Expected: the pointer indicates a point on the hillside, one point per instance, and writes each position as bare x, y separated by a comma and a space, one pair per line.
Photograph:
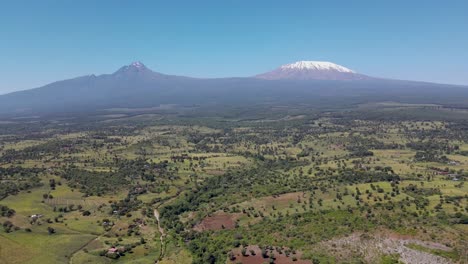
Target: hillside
136, 86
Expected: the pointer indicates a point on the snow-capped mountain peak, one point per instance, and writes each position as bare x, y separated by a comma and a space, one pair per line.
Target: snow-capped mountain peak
137, 64
316, 65
134, 67
312, 70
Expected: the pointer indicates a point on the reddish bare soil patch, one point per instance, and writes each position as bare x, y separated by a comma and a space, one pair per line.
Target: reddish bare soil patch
257, 258
217, 221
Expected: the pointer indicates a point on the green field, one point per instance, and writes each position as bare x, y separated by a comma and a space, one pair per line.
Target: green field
326, 186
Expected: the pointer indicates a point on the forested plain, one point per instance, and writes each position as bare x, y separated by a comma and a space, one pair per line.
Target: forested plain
376, 183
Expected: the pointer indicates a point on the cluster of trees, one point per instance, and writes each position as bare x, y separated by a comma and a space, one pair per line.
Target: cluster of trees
415, 190
120, 250
428, 146
359, 151
5, 211
430, 156
8, 227
432, 150
357, 176
93, 182
125, 206
233, 186
53, 148
15, 179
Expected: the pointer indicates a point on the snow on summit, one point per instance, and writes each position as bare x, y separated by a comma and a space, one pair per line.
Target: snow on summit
316, 65
134, 67
138, 64
312, 70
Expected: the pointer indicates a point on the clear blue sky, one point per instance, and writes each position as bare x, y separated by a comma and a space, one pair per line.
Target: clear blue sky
45, 41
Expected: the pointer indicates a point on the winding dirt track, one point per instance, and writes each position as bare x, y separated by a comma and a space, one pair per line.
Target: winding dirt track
161, 230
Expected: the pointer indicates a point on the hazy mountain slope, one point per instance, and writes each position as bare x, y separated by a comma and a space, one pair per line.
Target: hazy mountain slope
137, 86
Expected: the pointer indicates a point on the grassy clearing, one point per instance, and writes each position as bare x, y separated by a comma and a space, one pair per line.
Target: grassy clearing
451, 254
40, 248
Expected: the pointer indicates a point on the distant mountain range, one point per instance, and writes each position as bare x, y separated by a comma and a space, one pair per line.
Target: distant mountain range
310, 83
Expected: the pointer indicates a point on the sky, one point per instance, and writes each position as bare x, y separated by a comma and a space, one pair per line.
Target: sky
45, 41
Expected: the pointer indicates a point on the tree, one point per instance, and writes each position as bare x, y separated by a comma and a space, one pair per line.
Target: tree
8, 226
231, 256
244, 251
50, 230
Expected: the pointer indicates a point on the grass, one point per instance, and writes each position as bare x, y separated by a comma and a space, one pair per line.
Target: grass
177, 255
390, 259
451, 254
28, 203
40, 248
76, 231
